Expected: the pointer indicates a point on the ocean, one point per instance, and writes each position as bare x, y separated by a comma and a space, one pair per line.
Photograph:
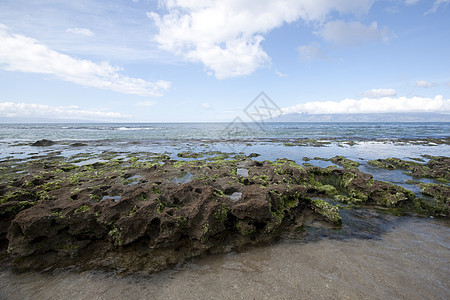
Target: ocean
221, 131
369, 140
385, 256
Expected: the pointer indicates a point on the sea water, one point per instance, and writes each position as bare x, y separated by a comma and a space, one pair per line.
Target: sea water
214, 131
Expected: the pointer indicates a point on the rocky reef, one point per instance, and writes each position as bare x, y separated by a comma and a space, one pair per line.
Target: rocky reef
146, 212
436, 168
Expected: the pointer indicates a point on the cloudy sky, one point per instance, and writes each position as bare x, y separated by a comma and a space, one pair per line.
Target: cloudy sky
206, 60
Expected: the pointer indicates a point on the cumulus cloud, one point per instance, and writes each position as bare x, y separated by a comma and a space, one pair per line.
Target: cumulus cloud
206, 105
354, 33
378, 93
81, 31
226, 36
24, 54
11, 109
311, 52
436, 5
368, 105
425, 84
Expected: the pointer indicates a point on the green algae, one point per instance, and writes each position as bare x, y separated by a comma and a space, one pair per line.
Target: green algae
208, 231
440, 202
280, 204
143, 197
327, 176
262, 180
233, 171
58, 214
82, 208
222, 213
155, 189
18, 207
116, 235
133, 211
218, 193
182, 221
392, 200
328, 190
244, 228
17, 195
344, 162
160, 206
95, 197
436, 168
188, 154
432, 208
325, 209
440, 192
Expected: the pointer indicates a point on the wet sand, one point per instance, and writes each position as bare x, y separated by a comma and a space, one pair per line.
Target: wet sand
410, 259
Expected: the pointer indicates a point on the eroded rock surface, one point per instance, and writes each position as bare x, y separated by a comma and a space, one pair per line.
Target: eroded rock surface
128, 214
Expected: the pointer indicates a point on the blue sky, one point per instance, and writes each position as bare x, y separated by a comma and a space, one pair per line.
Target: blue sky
180, 60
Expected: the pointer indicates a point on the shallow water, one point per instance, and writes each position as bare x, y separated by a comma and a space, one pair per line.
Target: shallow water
184, 178
408, 259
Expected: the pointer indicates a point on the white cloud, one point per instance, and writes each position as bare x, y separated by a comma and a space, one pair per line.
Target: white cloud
436, 5
24, 54
206, 105
425, 84
368, 105
282, 75
354, 33
147, 103
311, 52
378, 93
81, 31
226, 36
411, 2
11, 109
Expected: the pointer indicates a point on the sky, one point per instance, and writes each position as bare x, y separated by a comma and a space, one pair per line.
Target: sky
206, 61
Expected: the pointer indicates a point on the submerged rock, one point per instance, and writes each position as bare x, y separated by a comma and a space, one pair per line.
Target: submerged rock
185, 178
438, 167
43, 143
78, 144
